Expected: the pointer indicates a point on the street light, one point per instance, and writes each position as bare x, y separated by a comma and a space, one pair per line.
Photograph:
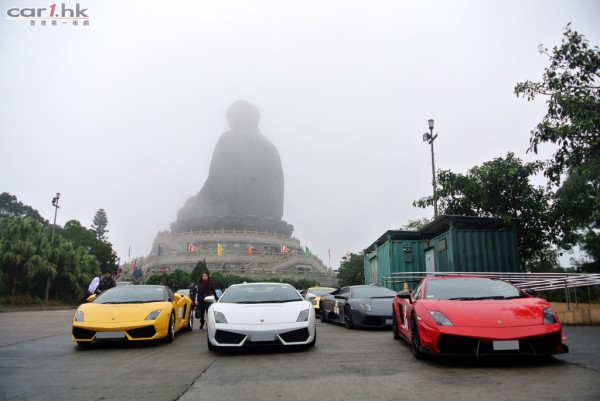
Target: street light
429, 138
55, 204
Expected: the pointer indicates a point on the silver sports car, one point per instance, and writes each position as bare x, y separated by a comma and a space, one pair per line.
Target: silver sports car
260, 314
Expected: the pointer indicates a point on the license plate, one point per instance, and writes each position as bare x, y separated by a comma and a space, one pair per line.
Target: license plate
505, 345
388, 322
262, 337
109, 335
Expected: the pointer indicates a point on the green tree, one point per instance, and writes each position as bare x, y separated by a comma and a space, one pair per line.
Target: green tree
75, 269
305, 283
572, 89
352, 270
99, 225
11, 207
87, 239
159, 278
501, 189
415, 225
22, 251
200, 268
578, 216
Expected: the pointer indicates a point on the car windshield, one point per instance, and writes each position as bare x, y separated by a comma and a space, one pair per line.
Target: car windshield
470, 288
372, 292
319, 292
260, 293
132, 294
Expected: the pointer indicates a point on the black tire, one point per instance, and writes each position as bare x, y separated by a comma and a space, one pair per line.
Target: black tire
395, 331
171, 330
348, 318
323, 316
83, 344
190, 325
415, 339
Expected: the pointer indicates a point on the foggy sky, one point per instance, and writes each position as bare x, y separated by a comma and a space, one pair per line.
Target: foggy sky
124, 114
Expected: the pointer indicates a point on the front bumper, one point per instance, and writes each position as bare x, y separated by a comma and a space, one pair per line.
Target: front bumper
231, 335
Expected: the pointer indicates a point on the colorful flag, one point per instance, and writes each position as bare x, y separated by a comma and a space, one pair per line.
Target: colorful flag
250, 249
191, 247
283, 249
219, 250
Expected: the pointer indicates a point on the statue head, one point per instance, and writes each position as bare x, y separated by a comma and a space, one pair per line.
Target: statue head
242, 115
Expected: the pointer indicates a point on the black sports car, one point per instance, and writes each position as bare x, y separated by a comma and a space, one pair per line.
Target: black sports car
359, 305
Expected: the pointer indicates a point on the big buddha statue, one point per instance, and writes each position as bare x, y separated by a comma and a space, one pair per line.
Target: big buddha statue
244, 188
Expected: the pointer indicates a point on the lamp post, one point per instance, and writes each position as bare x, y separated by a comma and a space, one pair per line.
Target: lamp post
429, 138
55, 204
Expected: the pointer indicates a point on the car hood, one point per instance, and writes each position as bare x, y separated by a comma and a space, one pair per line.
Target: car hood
262, 313
114, 313
487, 313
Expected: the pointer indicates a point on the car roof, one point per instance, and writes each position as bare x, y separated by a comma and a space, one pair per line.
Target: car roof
261, 283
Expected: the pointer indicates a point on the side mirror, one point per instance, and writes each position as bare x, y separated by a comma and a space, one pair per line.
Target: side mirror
529, 291
91, 298
310, 296
210, 299
177, 297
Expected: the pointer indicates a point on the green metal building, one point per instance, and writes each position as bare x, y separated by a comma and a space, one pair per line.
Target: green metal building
447, 244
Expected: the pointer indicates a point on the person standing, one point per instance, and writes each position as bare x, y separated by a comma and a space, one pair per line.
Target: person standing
193, 294
106, 282
205, 289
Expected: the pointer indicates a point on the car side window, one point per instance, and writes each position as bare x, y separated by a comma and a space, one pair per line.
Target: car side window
417, 291
169, 293
344, 292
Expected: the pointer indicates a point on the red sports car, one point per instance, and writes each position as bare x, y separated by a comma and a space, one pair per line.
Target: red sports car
475, 316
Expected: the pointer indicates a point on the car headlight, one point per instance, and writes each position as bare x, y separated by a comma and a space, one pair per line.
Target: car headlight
440, 318
549, 316
219, 317
153, 315
365, 306
303, 316
78, 316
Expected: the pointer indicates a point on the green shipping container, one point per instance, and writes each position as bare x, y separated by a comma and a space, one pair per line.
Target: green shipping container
448, 244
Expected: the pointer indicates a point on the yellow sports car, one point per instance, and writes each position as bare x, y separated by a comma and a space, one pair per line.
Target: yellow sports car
314, 295
135, 312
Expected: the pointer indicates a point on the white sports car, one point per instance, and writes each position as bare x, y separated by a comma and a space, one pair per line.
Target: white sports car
260, 314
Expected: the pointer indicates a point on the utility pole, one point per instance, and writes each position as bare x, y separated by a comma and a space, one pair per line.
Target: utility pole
55, 204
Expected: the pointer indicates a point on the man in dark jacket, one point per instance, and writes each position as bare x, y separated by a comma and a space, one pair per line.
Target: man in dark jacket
106, 282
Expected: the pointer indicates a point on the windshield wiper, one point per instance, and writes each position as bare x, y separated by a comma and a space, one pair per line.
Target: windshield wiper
476, 298
385, 296
290, 300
